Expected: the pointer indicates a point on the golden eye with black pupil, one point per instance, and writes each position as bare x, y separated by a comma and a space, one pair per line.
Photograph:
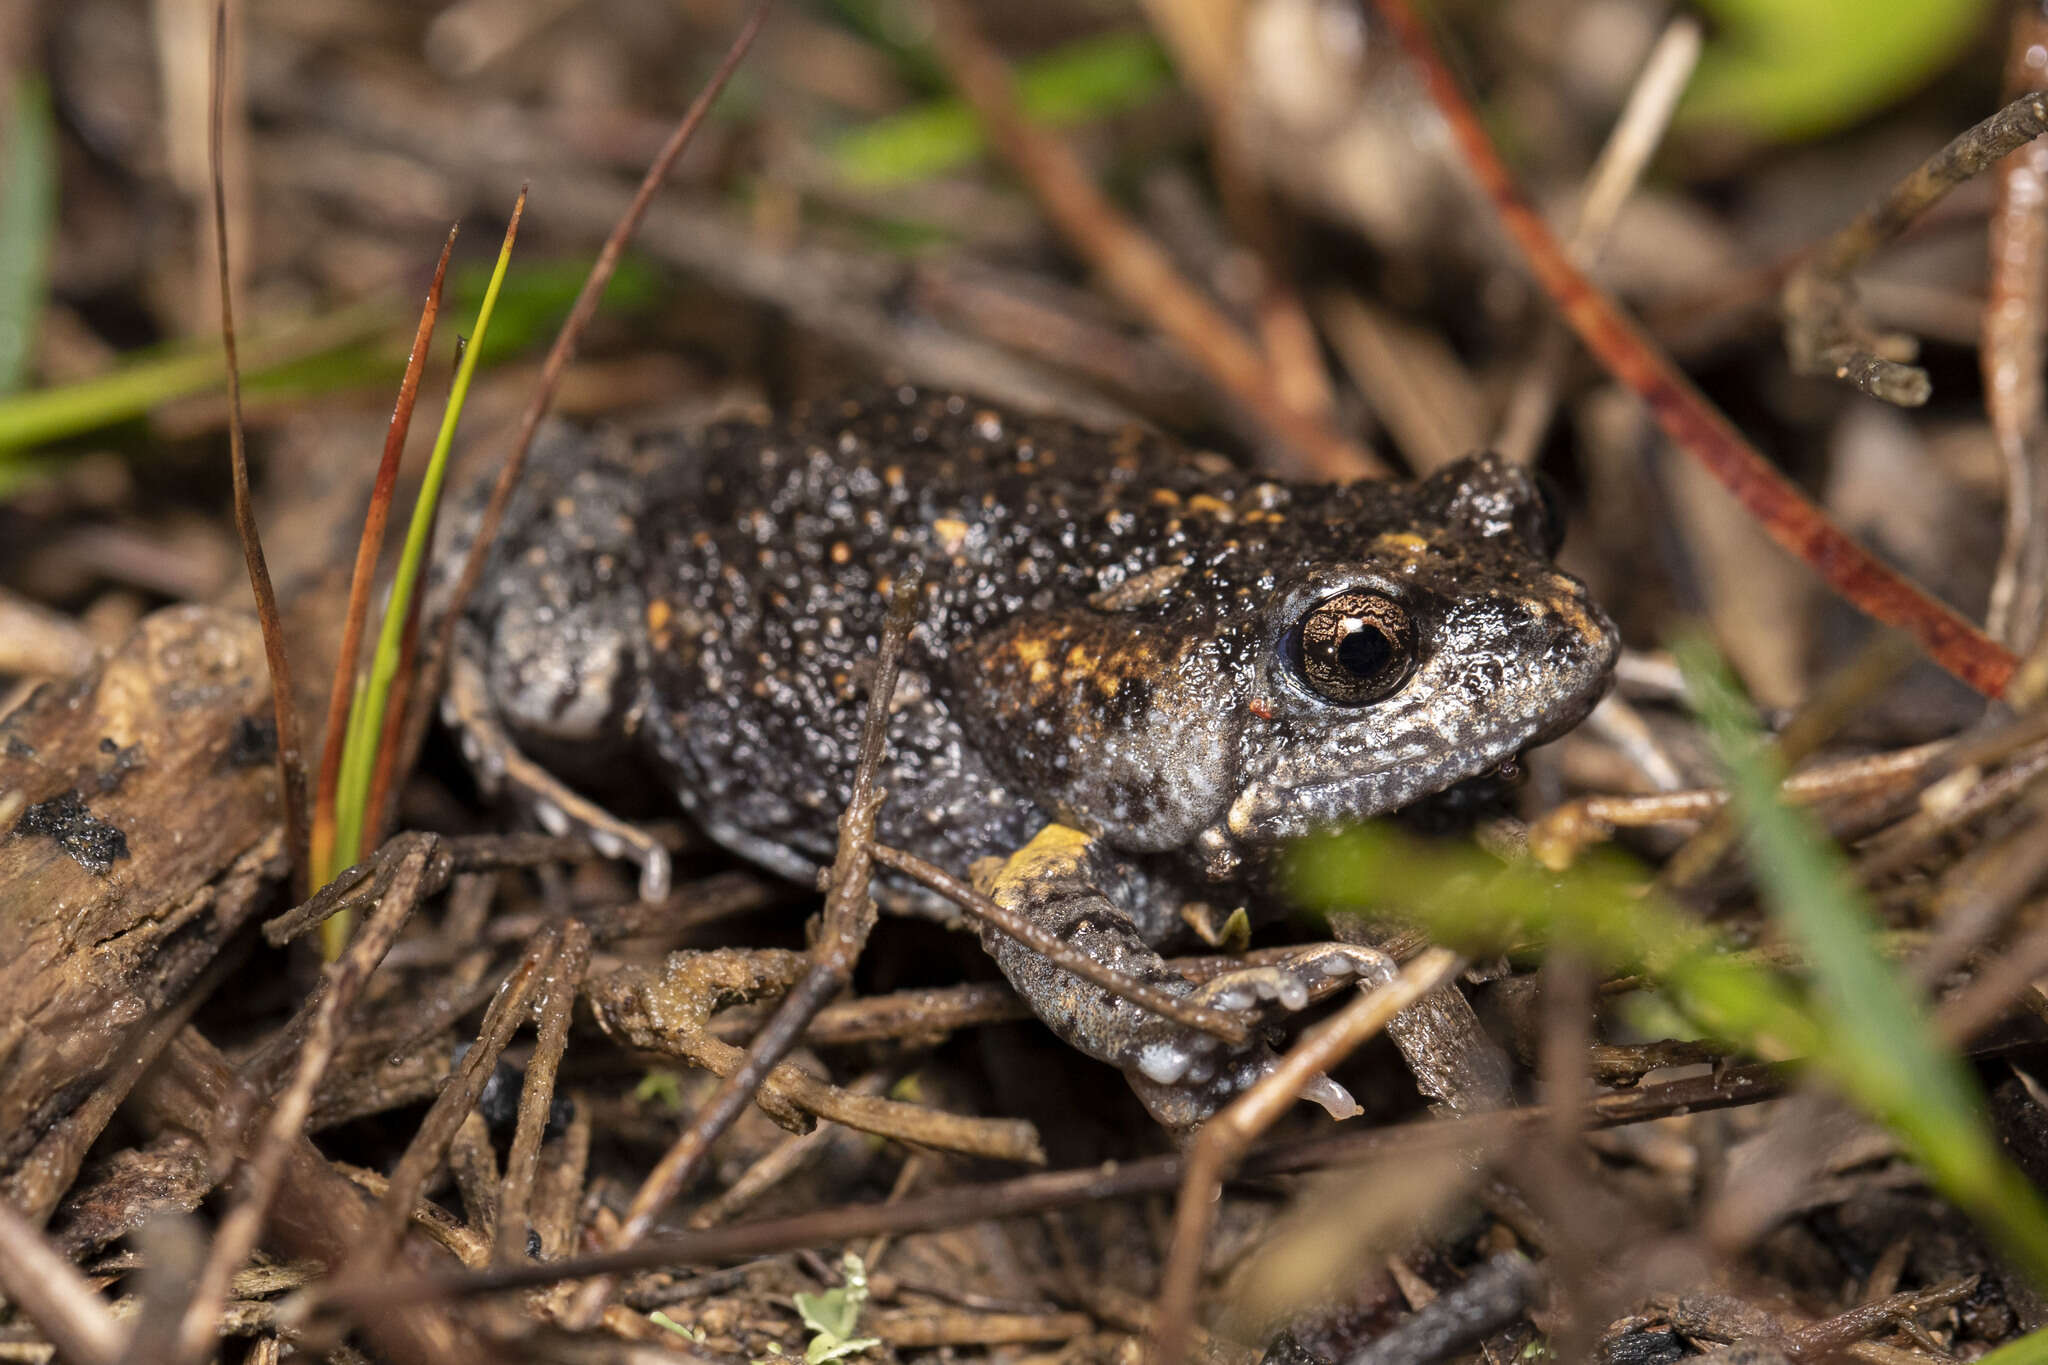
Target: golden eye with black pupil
1353, 648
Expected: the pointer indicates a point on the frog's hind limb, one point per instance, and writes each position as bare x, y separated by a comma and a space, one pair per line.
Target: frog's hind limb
1069, 884
498, 764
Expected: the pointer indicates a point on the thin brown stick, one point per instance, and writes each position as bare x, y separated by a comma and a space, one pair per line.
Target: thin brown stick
434, 671
1217, 1023
1130, 262
1620, 165
458, 1097
53, 1295
1037, 1193
242, 1228
1692, 422
291, 763
1225, 1138
367, 551
1823, 333
2013, 352
848, 916
537, 1096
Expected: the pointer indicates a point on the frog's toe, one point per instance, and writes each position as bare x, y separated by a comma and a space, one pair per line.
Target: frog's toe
1334, 1098
1294, 981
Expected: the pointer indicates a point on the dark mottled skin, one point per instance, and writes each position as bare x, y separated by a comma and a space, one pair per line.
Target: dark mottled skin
1098, 648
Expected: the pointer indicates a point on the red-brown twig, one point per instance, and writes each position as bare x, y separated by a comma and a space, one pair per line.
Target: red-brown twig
291, 764
433, 672
367, 550
1692, 422
1225, 1138
1128, 261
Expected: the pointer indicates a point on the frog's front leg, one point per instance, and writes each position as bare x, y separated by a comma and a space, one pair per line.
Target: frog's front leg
497, 762
1072, 885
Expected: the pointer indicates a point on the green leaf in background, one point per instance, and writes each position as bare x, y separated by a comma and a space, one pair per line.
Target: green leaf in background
2031, 1349
1791, 69
1088, 79
533, 305
1877, 1042
28, 218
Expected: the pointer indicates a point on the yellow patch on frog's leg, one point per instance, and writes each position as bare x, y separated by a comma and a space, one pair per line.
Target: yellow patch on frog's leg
496, 759
1056, 853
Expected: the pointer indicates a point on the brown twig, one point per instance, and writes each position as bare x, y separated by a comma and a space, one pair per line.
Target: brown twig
1225, 1138
1131, 263
1037, 1193
367, 551
1692, 422
2014, 350
242, 1227
291, 764
1823, 332
536, 1096
53, 1295
848, 916
1217, 1023
1621, 163
459, 1096
434, 671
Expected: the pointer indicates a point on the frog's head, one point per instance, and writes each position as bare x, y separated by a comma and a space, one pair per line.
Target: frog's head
1327, 656
1428, 654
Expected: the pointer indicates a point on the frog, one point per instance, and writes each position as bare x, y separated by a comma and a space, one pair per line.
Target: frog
1136, 674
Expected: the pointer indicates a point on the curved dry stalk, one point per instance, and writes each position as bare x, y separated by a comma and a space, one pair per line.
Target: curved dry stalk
291, 764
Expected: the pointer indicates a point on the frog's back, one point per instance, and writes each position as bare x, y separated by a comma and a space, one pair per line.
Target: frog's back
770, 553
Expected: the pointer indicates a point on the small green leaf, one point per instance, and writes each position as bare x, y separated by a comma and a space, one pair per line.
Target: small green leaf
1789, 69
835, 1314
661, 1087
2031, 1349
667, 1323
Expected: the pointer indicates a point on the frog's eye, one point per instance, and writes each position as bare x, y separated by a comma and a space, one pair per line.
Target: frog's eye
1353, 648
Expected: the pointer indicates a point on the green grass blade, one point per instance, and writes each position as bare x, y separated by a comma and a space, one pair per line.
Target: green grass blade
2031, 1349
366, 716
28, 218
1088, 79
1877, 1043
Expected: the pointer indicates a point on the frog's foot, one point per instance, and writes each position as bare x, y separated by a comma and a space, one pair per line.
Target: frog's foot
1296, 979
1074, 888
500, 766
